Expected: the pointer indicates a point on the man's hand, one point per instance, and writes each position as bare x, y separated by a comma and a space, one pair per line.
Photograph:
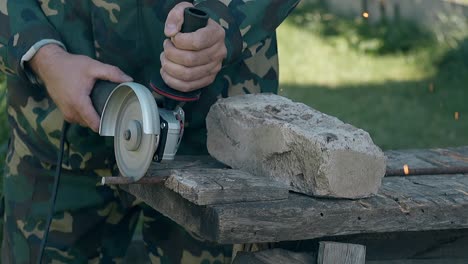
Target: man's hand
190, 61
69, 80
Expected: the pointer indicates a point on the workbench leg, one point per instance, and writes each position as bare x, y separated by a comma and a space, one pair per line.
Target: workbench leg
341, 253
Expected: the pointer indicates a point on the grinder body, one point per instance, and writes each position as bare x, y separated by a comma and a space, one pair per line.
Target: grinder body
142, 131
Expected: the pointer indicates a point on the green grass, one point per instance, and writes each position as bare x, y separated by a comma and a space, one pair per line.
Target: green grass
377, 78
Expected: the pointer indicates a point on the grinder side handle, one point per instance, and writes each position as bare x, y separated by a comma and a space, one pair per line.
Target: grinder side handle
100, 93
194, 19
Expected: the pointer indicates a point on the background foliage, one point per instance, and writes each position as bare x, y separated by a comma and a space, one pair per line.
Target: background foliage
398, 82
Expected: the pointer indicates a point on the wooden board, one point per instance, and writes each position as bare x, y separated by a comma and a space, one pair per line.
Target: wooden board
427, 158
202, 181
183, 163
219, 186
344, 253
421, 261
274, 256
444, 247
423, 245
418, 203
397, 159
403, 204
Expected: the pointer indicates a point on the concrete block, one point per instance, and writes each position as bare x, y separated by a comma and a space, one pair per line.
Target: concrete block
313, 153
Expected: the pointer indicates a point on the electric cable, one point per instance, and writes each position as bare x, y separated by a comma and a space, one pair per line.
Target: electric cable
53, 198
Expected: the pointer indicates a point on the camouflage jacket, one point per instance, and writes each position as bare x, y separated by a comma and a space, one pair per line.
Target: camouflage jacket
127, 34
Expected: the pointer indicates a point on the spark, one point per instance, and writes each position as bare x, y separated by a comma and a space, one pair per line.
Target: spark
365, 14
406, 169
456, 115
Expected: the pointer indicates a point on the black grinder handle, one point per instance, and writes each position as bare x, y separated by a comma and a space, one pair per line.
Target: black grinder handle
100, 93
194, 19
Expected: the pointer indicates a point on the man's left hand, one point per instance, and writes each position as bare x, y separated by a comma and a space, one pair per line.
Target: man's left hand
190, 61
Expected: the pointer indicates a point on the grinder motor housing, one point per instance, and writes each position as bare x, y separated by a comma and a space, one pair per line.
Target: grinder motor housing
143, 132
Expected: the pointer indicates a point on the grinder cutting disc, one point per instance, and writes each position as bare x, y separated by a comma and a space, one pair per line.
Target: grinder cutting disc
134, 149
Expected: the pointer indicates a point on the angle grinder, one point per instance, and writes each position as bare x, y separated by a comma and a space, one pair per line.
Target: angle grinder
142, 131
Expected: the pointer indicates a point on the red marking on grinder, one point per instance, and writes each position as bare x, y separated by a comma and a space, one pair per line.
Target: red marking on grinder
174, 97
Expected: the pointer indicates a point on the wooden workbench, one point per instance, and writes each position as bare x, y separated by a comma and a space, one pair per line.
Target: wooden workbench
406, 203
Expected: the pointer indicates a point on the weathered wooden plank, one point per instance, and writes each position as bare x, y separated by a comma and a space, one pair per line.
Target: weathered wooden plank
427, 161
421, 261
427, 158
463, 151
192, 217
403, 204
183, 162
453, 156
397, 159
274, 256
219, 186
343, 253
441, 158
434, 244
439, 246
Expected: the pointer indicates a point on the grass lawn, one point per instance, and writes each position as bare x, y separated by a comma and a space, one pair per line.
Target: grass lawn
405, 98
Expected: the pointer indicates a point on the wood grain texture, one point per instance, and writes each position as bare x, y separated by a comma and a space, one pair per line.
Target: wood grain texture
162, 169
274, 256
343, 253
427, 158
421, 261
434, 244
419, 203
194, 218
403, 204
219, 186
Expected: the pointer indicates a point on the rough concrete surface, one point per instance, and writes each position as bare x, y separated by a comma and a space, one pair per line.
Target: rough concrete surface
314, 153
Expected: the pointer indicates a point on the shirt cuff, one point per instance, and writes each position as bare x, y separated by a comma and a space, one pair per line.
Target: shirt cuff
33, 50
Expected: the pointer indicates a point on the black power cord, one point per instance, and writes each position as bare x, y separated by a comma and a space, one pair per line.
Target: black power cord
53, 198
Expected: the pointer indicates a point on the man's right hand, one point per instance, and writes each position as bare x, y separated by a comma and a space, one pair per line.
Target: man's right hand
69, 80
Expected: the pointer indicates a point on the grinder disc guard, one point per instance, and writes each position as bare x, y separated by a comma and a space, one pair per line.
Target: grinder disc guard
131, 116
134, 149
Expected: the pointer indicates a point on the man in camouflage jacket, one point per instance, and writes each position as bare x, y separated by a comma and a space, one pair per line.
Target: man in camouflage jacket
53, 51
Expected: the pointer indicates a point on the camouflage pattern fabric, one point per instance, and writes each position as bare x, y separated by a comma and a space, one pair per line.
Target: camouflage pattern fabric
127, 34
92, 223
